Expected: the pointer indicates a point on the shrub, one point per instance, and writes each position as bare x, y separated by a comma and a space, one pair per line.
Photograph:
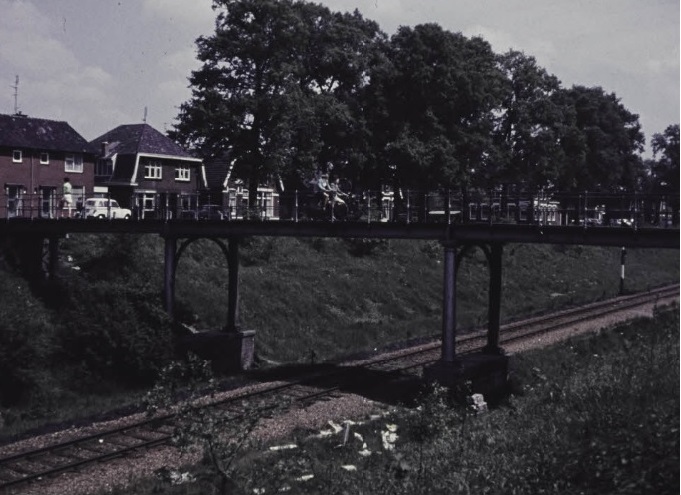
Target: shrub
117, 331
27, 343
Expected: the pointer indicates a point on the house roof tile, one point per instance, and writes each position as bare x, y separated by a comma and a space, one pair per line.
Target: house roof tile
139, 138
50, 135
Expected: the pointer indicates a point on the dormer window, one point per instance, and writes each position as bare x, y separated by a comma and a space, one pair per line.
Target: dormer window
17, 156
44, 158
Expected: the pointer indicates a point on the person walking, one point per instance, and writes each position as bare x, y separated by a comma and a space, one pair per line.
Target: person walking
67, 198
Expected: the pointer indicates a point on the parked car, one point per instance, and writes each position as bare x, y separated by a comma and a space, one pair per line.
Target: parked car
104, 208
212, 212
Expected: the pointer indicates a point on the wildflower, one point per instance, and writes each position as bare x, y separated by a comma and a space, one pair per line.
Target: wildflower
389, 438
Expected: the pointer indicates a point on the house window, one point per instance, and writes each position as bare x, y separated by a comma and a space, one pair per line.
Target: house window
152, 170
44, 158
73, 163
17, 156
182, 174
104, 168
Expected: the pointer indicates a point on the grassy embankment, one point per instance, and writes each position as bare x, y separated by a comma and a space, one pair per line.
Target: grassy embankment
594, 415
305, 295
99, 337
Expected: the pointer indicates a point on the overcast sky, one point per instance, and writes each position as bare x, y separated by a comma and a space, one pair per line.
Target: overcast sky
98, 63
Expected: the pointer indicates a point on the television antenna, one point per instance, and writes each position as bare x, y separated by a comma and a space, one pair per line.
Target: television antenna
16, 95
145, 115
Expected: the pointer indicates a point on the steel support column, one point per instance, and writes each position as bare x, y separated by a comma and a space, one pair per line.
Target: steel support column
449, 305
233, 285
494, 309
169, 275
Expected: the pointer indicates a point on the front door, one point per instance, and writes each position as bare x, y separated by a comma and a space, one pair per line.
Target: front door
14, 201
48, 201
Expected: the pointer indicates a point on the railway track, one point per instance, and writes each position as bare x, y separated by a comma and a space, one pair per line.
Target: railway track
102, 446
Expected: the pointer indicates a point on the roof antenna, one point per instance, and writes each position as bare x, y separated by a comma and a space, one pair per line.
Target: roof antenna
16, 95
145, 115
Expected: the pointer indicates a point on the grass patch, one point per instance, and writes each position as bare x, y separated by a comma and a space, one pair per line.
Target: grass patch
102, 332
595, 415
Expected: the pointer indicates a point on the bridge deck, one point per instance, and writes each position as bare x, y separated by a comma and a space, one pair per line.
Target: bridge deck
473, 232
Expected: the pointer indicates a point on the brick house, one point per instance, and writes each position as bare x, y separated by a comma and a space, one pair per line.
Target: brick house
147, 172
35, 157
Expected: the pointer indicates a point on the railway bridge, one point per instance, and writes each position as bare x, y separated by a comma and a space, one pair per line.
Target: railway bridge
39, 241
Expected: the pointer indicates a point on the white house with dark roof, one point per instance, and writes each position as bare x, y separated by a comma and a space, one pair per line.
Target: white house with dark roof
147, 172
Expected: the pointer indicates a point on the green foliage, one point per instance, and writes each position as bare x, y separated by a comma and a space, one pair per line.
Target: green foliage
665, 166
27, 344
99, 333
117, 332
220, 434
286, 87
603, 153
598, 415
440, 96
530, 131
365, 247
277, 92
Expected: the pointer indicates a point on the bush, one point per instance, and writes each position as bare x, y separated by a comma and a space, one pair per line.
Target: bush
27, 343
117, 332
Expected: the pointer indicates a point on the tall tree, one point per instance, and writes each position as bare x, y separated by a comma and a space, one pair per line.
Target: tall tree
665, 164
277, 87
602, 145
530, 126
439, 94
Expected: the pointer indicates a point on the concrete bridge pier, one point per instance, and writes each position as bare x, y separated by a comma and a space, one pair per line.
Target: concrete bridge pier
230, 348
483, 372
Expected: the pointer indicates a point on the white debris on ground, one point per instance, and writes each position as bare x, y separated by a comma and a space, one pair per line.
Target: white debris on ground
305, 477
288, 446
389, 437
365, 452
175, 477
477, 404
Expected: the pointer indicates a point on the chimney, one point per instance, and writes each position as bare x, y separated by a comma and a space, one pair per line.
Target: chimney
105, 148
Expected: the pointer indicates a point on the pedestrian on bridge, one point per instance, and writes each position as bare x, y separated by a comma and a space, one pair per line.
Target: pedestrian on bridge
67, 198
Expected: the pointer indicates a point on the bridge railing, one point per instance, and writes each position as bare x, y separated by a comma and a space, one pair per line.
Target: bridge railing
584, 209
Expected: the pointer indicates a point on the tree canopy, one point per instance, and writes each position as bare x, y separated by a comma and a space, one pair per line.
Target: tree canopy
287, 87
665, 164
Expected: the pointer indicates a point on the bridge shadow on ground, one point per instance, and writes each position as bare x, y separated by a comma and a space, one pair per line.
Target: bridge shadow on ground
385, 387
